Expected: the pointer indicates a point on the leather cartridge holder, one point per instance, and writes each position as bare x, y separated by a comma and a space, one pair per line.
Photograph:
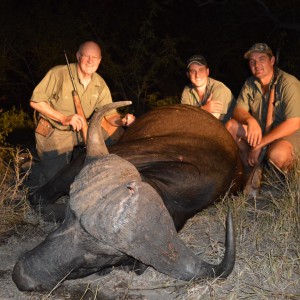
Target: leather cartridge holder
44, 128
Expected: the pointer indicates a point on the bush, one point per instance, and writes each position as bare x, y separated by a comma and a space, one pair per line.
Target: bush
12, 198
153, 100
12, 120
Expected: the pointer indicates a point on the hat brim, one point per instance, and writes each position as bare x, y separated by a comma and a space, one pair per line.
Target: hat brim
248, 53
195, 62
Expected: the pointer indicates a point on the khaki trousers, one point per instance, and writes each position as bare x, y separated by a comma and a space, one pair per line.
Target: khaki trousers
54, 152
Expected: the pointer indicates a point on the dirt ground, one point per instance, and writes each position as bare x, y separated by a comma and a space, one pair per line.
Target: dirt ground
119, 284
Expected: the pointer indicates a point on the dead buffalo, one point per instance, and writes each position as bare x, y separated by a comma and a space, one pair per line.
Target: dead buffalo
181, 151
169, 165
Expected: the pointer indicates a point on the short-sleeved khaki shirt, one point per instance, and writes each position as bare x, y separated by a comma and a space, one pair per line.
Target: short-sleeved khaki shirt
220, 93
56, 89
287, 99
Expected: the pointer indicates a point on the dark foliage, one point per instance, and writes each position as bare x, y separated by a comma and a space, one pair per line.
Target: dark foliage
145, 43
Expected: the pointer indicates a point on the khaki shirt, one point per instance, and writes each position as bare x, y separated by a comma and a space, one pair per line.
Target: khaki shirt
56, 89
220, 93
287, 99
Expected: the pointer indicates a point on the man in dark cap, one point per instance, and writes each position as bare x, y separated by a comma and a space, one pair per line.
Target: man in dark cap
266, 119
205, 92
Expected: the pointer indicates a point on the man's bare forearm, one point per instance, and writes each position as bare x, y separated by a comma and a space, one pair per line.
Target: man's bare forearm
45, 109
242, 115
286, 128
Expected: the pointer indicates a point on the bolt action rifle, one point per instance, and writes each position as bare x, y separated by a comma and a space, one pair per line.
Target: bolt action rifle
77, 103
253, 184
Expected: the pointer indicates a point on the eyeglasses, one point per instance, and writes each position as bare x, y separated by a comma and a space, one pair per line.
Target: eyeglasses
87, 57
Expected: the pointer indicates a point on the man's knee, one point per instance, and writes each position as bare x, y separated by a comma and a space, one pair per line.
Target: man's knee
232, 126
278, 159
281, 154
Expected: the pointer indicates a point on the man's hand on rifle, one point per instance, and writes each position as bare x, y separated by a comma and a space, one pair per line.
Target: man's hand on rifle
116, 120
253, 156
76, 121
128, 120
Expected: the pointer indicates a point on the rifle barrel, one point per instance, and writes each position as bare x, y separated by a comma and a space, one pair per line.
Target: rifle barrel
70, 72
77, 103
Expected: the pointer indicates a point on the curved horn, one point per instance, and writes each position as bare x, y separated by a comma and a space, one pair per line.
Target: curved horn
95, 143
226, 266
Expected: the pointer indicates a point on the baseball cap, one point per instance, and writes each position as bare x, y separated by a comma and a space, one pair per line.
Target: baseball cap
259, 47
196, 59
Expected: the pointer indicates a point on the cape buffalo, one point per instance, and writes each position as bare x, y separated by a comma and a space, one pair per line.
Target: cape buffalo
168, 166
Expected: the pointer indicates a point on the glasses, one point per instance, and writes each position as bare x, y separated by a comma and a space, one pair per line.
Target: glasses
89, 57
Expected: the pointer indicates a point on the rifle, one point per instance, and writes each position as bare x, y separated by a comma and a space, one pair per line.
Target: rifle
254, 182
77, 102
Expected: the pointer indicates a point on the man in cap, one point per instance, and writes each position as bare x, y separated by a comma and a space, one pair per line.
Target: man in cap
205, 92
259, 128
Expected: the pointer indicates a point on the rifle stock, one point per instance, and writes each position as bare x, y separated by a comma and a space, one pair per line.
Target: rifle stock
254, 181
79, 111
270, 111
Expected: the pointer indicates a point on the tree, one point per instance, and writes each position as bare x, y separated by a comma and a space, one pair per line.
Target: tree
144, 43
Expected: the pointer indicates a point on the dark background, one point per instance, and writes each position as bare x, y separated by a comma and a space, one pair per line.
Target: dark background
145, 43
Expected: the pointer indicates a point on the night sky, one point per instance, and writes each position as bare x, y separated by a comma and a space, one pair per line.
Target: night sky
145, 43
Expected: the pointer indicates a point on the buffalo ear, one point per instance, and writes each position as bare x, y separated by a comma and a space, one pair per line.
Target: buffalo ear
110, 213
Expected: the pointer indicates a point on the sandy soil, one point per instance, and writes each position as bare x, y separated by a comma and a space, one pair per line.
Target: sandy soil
119, 284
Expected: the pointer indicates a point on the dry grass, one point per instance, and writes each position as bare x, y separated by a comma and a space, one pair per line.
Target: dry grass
267, 236
13, 203
268, 245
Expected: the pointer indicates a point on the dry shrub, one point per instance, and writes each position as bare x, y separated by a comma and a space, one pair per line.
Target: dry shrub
12, 193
